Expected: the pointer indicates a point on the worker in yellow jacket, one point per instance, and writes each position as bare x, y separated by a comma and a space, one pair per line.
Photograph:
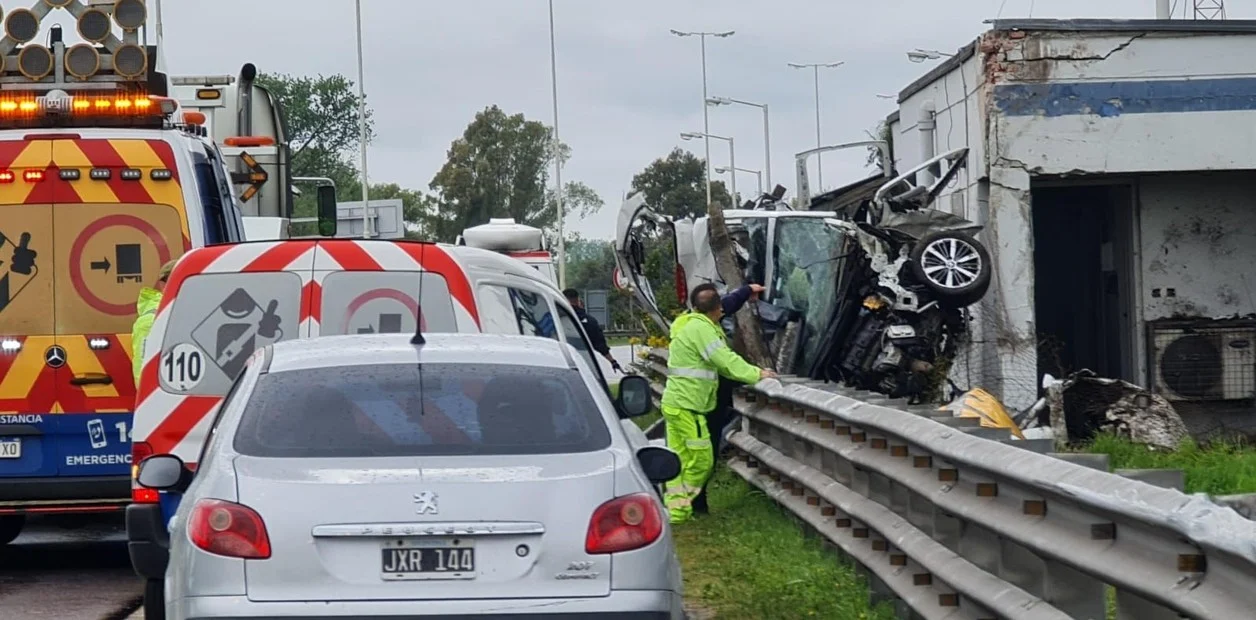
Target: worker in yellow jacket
146, 308
698, 355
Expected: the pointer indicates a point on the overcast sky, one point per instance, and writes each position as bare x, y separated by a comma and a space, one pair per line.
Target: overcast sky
627, 88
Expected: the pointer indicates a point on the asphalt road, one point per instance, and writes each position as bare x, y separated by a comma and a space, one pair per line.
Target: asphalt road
68, 568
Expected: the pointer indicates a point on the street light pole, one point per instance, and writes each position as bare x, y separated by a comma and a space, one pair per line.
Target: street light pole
558, 162
366, 200
706, 120
815, 67
757, 173
767, 131
732, 158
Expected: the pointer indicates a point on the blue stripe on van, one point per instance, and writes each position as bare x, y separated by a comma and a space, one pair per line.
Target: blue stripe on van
1110, 99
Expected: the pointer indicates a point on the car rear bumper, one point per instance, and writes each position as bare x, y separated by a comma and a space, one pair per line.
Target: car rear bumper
620, 605
148, 541
64, 495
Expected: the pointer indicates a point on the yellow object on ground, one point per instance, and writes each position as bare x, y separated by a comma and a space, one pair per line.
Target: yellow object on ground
980, 404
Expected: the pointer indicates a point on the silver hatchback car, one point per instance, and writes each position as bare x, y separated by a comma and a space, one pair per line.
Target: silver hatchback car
465, 476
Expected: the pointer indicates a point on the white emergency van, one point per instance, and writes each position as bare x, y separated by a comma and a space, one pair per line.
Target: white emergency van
518, 241
225, 302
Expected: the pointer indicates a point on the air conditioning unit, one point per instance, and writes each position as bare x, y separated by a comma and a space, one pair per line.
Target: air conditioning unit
1204, 362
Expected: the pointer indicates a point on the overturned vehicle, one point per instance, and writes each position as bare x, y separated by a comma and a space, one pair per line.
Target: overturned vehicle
870, 296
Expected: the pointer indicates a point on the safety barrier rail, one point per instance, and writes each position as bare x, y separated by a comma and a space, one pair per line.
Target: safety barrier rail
948, 524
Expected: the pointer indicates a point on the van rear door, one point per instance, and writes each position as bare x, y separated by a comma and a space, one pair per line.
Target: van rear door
112, 237
369, 287
241, 299
28, 393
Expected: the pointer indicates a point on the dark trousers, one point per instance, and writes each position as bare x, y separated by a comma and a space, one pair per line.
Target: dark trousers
716, 421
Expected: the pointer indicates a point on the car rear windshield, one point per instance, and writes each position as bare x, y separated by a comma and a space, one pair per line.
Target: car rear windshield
412, 410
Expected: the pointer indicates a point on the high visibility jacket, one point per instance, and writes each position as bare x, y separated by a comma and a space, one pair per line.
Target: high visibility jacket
698, 355
149, 299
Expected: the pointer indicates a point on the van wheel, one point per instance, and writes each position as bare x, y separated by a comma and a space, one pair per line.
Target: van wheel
154, 599
11, 527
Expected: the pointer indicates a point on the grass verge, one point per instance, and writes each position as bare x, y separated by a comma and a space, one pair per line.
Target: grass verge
749, 559
1217, 468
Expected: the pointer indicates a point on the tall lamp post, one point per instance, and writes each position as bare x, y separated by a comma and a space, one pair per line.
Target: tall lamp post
757, 173
815, 67
558, 162
732, 159
366, 200
767, 134
706, 121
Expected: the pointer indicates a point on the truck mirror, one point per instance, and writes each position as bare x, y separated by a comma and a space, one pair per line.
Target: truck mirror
327, 210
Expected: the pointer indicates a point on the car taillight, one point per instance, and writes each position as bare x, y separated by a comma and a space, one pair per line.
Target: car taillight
623, 524
228, 529
682, 286
141, 450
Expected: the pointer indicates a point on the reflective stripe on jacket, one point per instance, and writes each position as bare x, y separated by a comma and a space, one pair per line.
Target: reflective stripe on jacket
149, 299
698, 355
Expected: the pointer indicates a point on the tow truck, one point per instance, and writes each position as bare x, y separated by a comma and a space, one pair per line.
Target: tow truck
103, 179
245, 118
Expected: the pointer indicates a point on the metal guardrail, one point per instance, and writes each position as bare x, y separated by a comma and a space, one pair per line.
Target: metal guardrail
948, 524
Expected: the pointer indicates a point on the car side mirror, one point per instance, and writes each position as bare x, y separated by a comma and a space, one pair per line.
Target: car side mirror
634, 396
659, 464
327, 210
164, 472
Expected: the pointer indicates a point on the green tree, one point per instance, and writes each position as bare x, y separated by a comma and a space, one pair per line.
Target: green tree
674, 185
500, 168
321, 113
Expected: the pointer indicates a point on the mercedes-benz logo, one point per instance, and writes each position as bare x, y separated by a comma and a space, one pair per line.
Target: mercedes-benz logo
55, 356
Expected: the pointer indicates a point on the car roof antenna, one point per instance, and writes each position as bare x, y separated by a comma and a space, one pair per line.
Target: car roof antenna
418, 338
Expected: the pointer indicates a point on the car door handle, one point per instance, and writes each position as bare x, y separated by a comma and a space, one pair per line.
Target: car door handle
91, 378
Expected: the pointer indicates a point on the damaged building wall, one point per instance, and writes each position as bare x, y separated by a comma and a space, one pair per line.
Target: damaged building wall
1046, 100
953, 91
1121, 102
1198, 245
1063, 104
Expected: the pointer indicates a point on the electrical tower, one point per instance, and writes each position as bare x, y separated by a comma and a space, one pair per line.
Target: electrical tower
1209, 9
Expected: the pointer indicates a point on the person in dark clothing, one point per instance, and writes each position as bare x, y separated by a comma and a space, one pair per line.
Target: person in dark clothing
719, 419
591, 327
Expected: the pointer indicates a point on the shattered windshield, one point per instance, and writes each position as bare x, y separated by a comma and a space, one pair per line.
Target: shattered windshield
809, 255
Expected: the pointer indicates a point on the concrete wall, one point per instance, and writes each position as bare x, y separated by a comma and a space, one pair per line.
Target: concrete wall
1198, 239
1067, 102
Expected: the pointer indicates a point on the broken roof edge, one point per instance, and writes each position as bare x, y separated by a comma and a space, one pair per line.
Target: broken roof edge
1218, 26
943, 68
1203, 26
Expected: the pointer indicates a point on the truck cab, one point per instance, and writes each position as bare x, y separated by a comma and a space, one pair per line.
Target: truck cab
103, 180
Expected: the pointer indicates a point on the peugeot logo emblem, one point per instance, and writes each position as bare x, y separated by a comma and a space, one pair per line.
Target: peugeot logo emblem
55, 356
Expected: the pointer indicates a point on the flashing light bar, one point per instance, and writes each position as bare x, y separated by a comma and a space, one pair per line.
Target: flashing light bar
59, 102
98, 344
10, 346
35, 175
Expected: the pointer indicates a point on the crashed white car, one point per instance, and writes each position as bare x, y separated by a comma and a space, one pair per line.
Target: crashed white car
871, 296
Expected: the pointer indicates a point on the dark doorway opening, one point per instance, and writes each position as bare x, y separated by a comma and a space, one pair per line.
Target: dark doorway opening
1083, 264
